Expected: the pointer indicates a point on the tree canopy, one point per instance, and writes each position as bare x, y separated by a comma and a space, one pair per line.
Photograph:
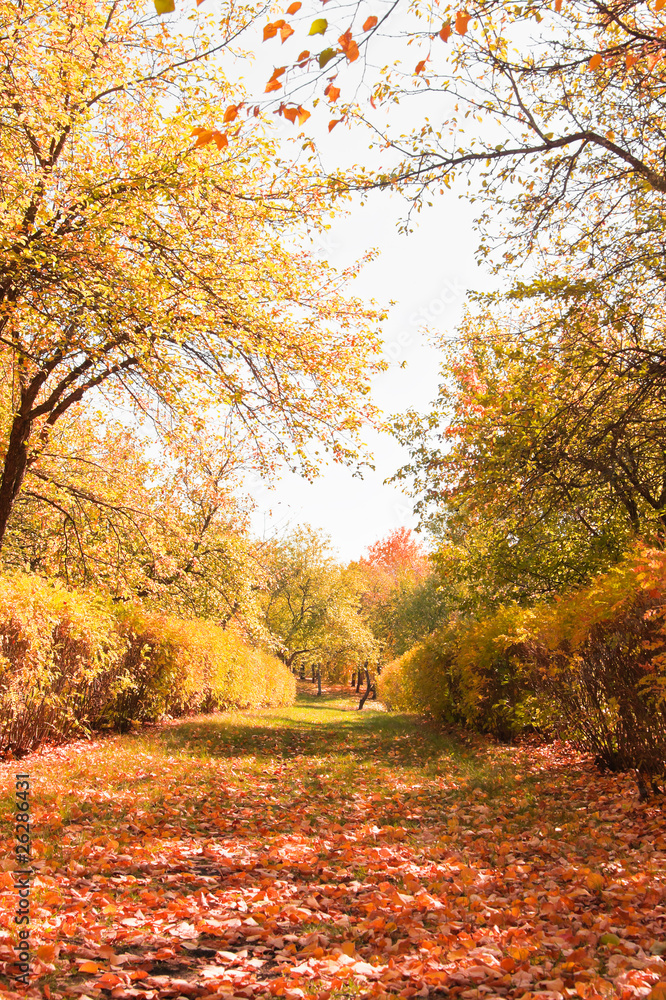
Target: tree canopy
149, 271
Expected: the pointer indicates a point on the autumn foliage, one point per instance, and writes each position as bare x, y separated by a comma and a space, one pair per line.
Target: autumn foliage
590, 665
72, 662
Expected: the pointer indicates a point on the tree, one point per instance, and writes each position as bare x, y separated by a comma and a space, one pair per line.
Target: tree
97, 509
311, 603
396, 570
542, 458
144, 270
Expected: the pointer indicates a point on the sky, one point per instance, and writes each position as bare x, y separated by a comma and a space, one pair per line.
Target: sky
427, 274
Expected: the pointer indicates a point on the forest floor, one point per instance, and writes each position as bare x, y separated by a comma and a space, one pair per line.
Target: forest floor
321, 852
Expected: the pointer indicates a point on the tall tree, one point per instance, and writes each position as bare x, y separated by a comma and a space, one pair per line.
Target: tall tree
143, 268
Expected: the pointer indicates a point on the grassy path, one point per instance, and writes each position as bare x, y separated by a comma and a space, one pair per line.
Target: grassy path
319, 851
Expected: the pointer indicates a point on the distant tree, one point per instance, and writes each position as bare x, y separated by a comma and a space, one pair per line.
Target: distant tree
311, 604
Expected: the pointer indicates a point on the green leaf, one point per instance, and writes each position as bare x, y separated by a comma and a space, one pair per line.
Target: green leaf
326, 56
318, 26
164, 6
609, 939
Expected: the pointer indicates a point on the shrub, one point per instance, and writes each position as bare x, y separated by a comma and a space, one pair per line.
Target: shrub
59, 661
72, 662
590, 665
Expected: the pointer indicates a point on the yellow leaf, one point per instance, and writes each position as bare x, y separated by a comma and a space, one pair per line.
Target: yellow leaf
318, 26
164, 6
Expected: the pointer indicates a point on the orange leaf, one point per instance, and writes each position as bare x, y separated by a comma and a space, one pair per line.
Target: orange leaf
273, 84
46, 952
462, 20
658, 991
286, 32
205, 136
420, 66
371, 21
89, 967
595, 61
333, 123
270, 31
558, 5
445, 32
660, 4
108, 979
630, 60
305, 54
352, 52
231, 113
303, 115
294, 7
220, 139
289, 114
332, 93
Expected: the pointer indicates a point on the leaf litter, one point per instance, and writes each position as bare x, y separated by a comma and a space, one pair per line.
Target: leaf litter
327, 853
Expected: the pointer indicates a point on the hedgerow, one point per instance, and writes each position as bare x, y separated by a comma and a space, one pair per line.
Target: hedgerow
590, 666
72, 662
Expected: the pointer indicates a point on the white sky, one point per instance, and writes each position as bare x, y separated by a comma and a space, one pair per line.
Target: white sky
427, 274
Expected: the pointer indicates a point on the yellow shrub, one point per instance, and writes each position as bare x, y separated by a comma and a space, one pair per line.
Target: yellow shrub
71, 662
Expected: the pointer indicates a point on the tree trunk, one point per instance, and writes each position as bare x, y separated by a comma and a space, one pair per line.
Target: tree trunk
358, 680
368, 689
13, 474
353, 680
314, 673
319, 679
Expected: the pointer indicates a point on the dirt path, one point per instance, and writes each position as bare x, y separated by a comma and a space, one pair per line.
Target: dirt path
320, 851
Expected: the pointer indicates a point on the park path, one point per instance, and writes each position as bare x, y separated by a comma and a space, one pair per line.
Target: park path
323, 852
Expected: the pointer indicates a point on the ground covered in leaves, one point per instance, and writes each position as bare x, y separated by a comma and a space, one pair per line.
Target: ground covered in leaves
323, 852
